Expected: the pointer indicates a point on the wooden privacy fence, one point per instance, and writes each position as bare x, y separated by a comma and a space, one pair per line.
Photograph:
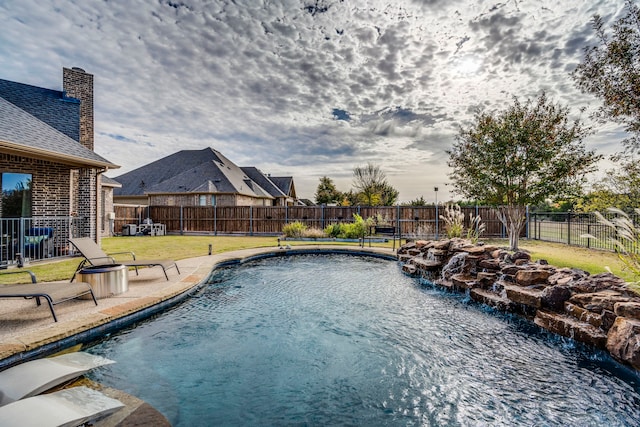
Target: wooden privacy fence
410, 221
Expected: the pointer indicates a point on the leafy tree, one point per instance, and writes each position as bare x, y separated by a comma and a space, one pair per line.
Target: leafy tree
611, 71
327, 192
350, 198
620, 188
372, 187
420, 201
518, 157
388, 195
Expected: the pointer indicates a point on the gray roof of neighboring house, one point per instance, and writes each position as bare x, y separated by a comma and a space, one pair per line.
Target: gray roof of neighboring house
210, 177
285, 184
203, 171
263, 180
22, 133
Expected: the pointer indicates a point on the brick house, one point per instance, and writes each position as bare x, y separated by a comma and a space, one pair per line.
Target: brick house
47, 162
201, 178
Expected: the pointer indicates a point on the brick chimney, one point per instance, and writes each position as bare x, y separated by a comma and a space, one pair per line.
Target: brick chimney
78, 84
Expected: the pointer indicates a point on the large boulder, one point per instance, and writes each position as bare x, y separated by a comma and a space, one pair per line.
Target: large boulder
599, 301
490, 264
627, 309
525, 296
491, 299
571, 327
623, 341
532, 277
598, 282
554, 297
518, 256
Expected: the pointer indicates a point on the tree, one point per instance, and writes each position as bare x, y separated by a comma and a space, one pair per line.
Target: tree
420, 201
620, 188
372, 187
520, 156
611, 71
327, 192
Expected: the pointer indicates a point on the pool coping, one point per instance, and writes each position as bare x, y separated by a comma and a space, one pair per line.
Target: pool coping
196, 271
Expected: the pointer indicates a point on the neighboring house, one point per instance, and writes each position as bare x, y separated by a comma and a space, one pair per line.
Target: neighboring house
109, 213
198, 178
49, 173
281, 188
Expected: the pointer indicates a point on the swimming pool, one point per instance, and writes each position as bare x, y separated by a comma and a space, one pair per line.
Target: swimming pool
335, 340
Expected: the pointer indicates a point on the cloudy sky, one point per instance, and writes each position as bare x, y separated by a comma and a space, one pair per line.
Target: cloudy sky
304, 87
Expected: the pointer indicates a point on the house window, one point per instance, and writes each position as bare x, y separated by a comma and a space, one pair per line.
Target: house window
213, 200
203, 200
16, 195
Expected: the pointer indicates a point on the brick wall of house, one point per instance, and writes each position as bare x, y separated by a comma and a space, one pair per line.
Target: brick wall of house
79, 84
50, 183
87, 201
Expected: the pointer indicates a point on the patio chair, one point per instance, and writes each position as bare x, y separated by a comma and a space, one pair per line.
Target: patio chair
38, 243
69, 407
36, 376
95, 256
53, 292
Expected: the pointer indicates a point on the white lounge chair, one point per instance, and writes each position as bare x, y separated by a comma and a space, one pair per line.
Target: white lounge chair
34, 377
65, 408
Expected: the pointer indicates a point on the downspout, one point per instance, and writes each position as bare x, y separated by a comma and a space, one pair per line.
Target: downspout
98, 221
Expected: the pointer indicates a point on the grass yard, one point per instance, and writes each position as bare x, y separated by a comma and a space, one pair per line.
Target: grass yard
560, 255
181, 247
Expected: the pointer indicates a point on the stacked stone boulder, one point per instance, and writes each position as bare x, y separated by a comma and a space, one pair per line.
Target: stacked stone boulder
599, 310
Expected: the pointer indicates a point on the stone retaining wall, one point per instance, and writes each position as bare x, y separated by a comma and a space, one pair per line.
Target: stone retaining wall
599, 310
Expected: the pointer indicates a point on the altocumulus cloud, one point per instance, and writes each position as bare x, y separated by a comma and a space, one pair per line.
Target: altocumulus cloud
302, 87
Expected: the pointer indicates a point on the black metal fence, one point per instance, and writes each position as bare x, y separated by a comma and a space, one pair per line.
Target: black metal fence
573, 228
25, 239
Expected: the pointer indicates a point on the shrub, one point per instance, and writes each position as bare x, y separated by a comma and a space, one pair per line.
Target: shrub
294, 229
333, 230
626, 242
475, 229
422, 231
355, 230
313, 233
453, 221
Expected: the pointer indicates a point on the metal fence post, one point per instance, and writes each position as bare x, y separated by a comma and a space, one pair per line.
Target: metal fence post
568, 228
398, 222
181, 221
250, 220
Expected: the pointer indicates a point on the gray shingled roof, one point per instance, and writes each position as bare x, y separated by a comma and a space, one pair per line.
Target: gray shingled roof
110, 182
262, 180
199, 171
20, 130
284, 183
210, 177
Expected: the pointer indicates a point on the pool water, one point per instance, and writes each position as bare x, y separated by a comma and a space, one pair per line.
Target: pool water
346, 340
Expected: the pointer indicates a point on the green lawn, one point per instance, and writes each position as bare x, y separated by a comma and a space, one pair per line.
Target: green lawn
181, 247
560, 255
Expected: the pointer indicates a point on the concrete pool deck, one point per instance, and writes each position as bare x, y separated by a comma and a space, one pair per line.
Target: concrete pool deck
26, 329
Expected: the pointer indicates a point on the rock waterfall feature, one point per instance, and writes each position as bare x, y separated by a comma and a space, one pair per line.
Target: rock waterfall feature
599, 310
